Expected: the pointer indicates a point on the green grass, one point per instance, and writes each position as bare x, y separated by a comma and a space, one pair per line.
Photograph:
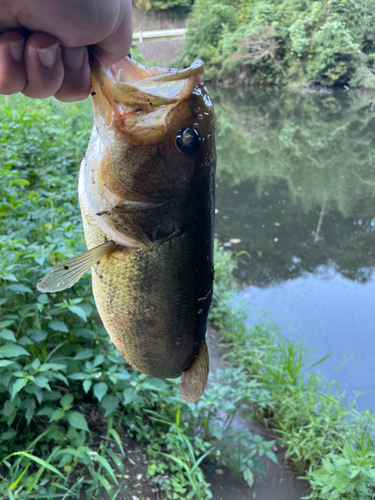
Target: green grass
329, 442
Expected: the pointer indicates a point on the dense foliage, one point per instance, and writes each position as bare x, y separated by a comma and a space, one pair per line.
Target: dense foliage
266, 41
178, 6
68, 403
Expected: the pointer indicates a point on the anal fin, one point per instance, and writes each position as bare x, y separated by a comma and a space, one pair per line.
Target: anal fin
67, 273
194, 380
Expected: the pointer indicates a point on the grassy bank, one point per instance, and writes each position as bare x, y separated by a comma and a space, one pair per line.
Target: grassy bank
70, 409
329, 442
246, 42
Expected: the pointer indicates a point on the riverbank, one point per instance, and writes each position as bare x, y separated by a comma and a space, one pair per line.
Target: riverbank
327, 440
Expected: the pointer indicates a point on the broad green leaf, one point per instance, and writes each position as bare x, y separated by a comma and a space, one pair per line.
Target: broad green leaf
129, 395
77, 310
77, 420
36, 334
98, 360
110, 403
30, 409
84, 354
57, 414
43, 298
5, 362
8, 408
25, 340
52, 366
6, 323
7, 335
84, 332
10, 277
100, 390
19, 288
77, 376
42, 382
154, 384
36, 363
5, 436
12, 351
47, 412
58, 326
270, 454
18, 386
66, 401
87, 385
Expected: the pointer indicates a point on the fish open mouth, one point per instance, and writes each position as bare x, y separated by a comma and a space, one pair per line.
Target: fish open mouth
135, 87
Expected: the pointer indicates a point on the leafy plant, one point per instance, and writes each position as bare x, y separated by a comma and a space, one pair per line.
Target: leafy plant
178, 6
247, 41
187, 479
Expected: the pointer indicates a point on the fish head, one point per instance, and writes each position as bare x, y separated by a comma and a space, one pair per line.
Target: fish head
152, 142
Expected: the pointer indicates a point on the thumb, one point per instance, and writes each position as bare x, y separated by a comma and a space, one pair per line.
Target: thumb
116, 45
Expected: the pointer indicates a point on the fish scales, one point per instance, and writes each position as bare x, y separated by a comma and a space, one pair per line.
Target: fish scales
155, 287
146, 191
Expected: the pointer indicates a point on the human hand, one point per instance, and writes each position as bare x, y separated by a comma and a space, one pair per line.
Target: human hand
53, 59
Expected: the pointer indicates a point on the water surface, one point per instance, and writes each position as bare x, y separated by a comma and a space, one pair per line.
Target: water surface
296, 186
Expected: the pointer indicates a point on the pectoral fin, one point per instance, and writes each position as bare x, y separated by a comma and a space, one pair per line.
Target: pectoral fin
194, 380
65, 274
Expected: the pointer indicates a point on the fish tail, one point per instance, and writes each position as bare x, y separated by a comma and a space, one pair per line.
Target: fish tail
194, 380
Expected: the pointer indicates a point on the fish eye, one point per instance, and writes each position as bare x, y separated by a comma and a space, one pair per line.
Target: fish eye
188, 141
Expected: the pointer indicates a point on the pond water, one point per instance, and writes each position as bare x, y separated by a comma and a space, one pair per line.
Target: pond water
296, 191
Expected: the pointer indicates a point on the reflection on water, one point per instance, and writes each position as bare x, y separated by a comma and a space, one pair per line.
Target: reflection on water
296, 186
333, 314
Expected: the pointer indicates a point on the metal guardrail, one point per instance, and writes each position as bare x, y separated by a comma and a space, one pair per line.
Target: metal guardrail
140, 35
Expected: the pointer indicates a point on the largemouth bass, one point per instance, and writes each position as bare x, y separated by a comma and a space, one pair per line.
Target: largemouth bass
146, 191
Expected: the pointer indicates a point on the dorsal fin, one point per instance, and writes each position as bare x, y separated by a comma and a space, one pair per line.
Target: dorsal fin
67, 273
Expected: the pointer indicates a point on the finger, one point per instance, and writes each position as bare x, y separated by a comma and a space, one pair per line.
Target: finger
116, 46
76, 83
12, 68
44, 67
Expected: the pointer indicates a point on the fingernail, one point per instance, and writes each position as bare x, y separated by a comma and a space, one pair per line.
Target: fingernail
48, 55
16, 50
73, 57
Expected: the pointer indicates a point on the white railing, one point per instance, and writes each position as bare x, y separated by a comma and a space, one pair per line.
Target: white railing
140, 35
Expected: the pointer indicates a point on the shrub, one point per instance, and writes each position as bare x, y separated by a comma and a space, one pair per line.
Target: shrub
296, 40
